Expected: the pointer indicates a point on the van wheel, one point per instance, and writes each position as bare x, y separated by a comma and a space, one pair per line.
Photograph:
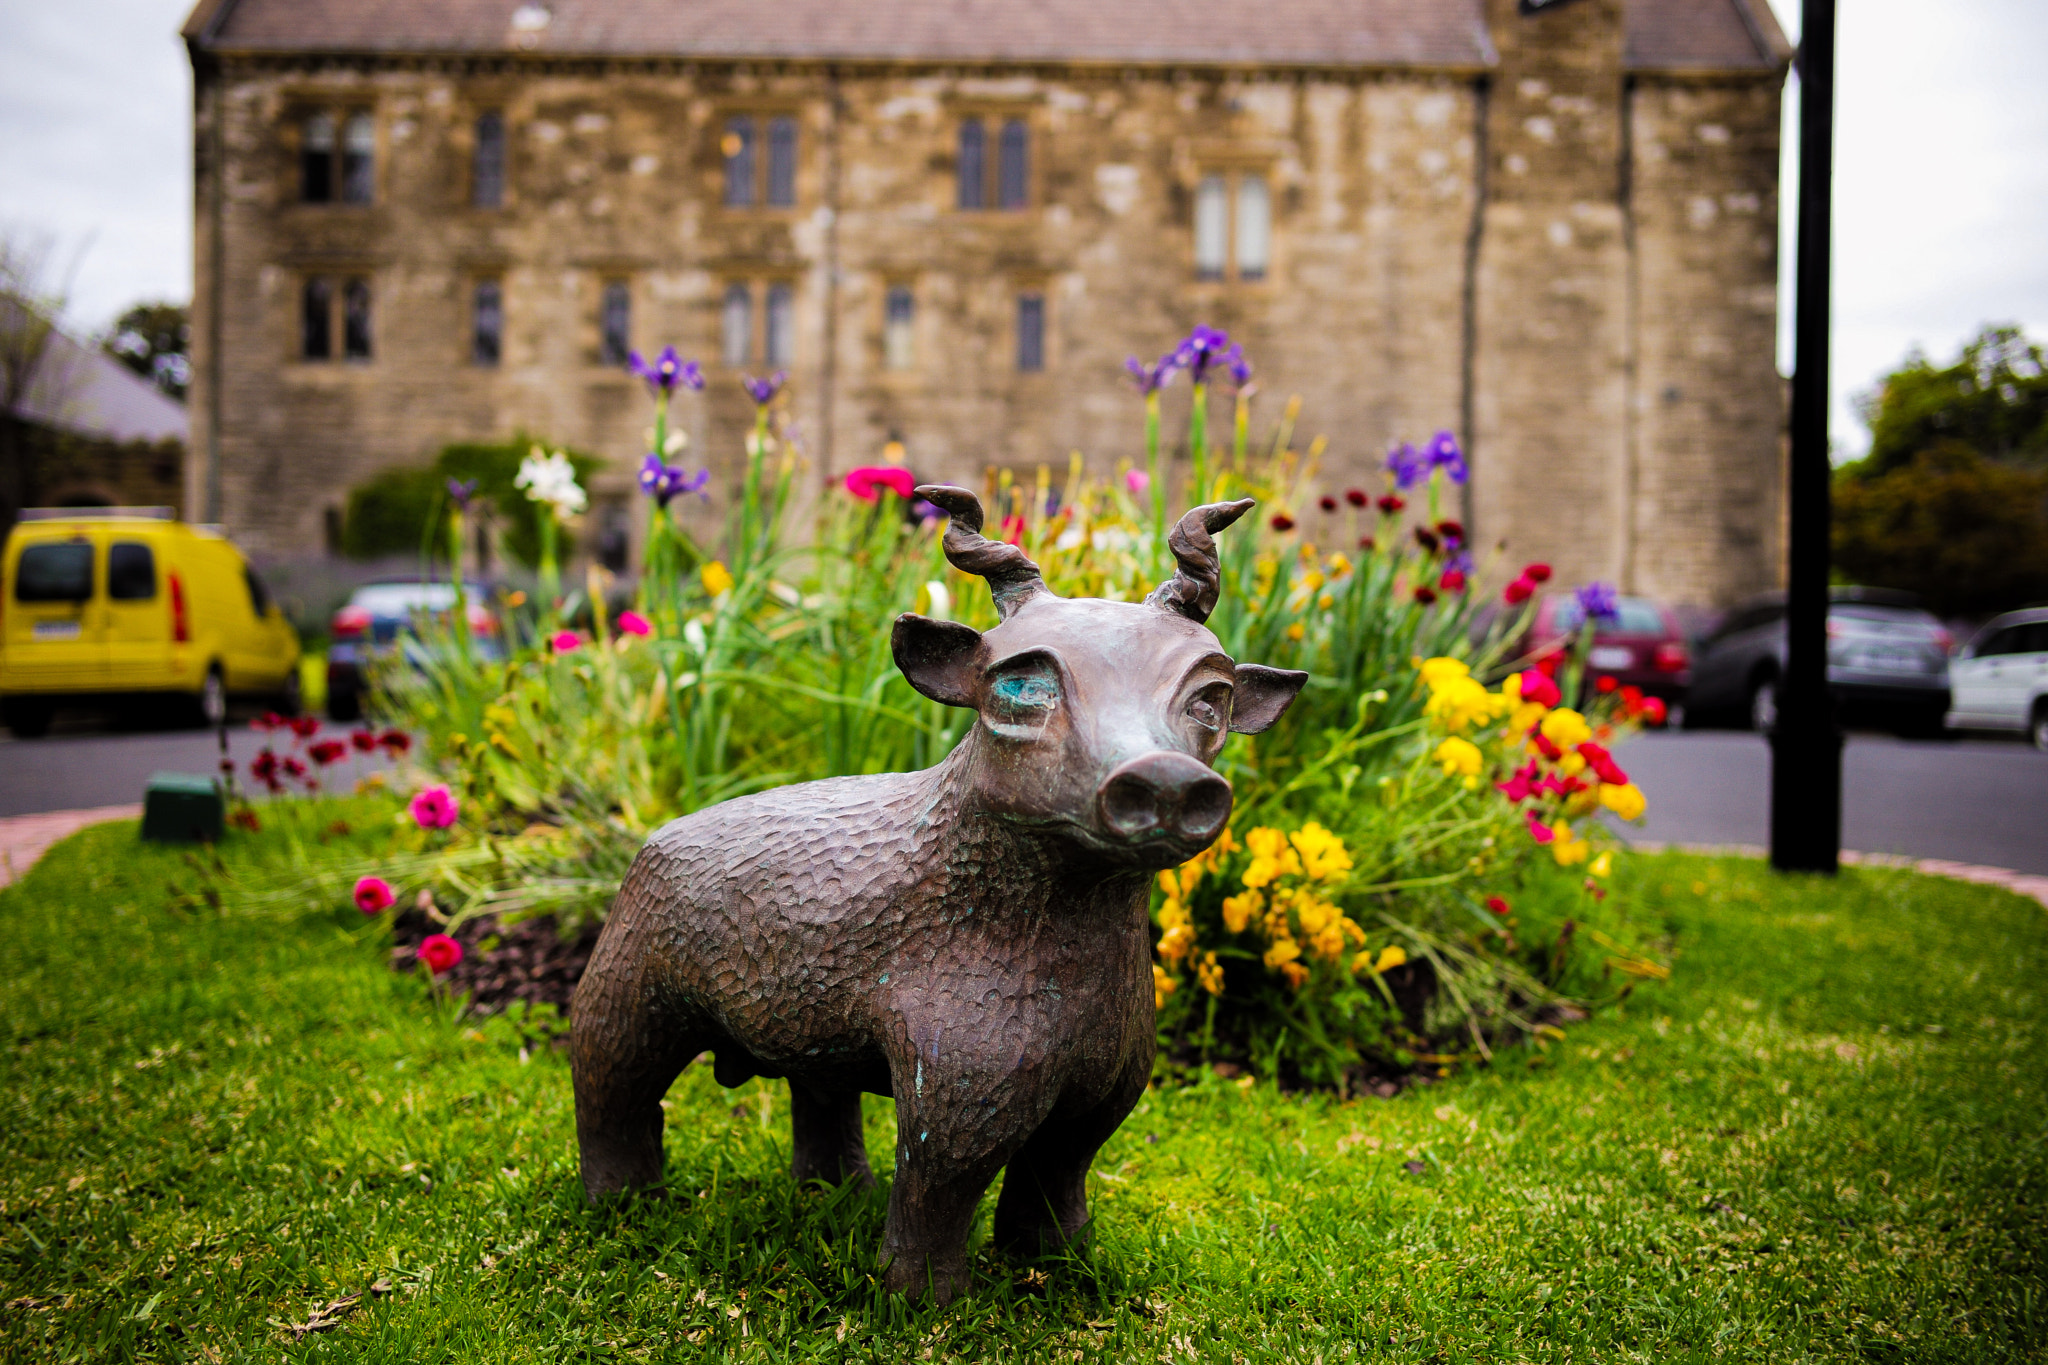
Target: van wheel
1763, 705
29, 719
2037, 729
291, 698
210, 707
344, 705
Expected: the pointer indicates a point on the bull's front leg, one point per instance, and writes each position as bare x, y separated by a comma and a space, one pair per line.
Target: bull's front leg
1044, 1204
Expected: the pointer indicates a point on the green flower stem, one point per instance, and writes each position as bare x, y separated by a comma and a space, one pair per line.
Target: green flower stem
550, 568
455, 577
1198, 442
1242, 430
1158, 485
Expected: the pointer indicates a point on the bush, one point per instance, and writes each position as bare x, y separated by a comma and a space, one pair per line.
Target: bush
1968, 534
399, 511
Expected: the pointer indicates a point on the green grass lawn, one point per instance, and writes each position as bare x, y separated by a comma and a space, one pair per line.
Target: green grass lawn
1825, 1138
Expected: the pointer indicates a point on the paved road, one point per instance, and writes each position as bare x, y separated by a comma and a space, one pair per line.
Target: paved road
1971, 800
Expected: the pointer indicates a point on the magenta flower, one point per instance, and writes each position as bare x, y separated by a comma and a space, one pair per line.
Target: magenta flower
1538, 831
633, 623
1522, 785
1137, 480
439, 952
433, 808
565, 641
867, 482
666, 372
373, 894
763, 391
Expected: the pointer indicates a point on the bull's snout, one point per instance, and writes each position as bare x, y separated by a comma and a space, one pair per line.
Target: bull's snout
1164, 796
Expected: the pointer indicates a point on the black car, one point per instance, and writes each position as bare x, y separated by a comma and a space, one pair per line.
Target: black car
1887, 663
382, 620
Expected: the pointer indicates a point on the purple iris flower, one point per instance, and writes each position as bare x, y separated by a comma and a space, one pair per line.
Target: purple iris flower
1406, 464
1460, 561
666, 372
1203, 348
1444, 452
763, 391
460, 491
1599, 601
1150, 379
663, 482
1240, 367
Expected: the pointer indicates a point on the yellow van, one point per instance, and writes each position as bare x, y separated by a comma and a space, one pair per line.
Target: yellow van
105, 603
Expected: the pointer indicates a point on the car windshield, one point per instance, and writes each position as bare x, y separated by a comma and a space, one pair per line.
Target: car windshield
401, 600
1638, 616
1891, 616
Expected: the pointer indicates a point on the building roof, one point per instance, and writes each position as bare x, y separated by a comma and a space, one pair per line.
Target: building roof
1701, 34
81, 389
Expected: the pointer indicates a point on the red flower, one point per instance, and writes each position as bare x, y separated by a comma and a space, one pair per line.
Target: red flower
1425, 595
327, 751
1357, 497
1451, 530
1605, 683
439, 952
293, 768
1426, 538
1538, 831
305, 727
1282, 522
1536, 573
867, 482
1518, 592
1013, 529
1631, 698
268, 721
1653, 711
1327, 503
1497, 904
1539, 688
1522, 785
1390, 504
373, 894
394, 742
1544, 746
1547, 665
364, 740
1452, 581
1365, 542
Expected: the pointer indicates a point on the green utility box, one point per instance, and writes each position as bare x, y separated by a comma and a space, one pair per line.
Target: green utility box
181, 808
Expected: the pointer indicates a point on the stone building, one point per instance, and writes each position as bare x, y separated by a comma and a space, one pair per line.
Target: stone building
1550, 226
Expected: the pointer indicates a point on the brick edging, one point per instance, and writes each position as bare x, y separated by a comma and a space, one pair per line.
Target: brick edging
25, 838
2025, 883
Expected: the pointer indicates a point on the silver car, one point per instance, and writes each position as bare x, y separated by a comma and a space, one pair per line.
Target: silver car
2000, 680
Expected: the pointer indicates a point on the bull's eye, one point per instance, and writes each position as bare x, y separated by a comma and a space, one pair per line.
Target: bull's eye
1025, 692
1208, 709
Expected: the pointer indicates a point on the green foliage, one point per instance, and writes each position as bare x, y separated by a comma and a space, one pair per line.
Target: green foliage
398, 511
155, 341
1967, 533
1993, 400
1826, 1146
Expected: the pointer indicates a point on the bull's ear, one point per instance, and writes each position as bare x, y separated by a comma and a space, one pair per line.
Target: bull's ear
937, 657
1262, 694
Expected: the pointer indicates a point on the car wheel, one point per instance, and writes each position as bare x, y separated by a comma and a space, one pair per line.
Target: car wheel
1763, 705
291, 698
344, 705
29, 719
2038, 729
210, 707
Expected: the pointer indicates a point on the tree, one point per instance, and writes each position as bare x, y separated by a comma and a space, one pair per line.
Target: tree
1993, 399
155, 340
29, 307
1968, 534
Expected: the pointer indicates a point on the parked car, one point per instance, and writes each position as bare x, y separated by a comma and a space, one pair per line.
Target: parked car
383, 620
1642, 646
2000, 680
1887, 662
127, 604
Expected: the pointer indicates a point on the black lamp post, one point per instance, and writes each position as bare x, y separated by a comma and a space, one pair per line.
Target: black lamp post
1806, 745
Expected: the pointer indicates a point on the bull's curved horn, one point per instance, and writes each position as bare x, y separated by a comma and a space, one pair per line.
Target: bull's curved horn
1191, 591
1012, 578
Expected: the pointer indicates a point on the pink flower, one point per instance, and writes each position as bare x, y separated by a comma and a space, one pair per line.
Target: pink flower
1541, 689
867, 482
1522, 785
439, 952
1137, 480
373, 894
633, 623
566, 641
1518, 592
1539, 831
433, 808
1013, 529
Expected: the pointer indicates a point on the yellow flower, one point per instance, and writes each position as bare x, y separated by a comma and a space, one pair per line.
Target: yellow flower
1322, 853
1169, 883
1225, 845
1271, 858
1459, 701
717, 579
1210, 974
1190, 873
1311, 580
1566, 849
1626, 800
1325, 602
1339, 565
1162, 986
1602, 865
1238, 910
1315, 915
1296, 974
1440, 670
1572, 764
1284, 950
1527, 713
1460, 757
1172, 914
1391, 956
1296, 631
1177, 943
1565, 727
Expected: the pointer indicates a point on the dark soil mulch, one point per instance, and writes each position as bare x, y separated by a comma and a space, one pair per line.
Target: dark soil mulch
529, 962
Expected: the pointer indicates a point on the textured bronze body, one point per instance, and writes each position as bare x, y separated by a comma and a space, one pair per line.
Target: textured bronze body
971, 939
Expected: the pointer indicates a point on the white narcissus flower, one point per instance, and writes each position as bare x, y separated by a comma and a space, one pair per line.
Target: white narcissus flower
551, 479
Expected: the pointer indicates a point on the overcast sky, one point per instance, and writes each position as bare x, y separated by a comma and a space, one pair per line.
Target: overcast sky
1941, 191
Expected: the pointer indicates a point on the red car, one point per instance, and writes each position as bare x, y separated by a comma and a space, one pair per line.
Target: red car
1642, 647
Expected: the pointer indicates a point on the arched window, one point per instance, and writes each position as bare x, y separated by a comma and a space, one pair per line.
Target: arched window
316, 320
738, 146
487, 170
358, 159
781, 162
316, 159
615, 324
355, 320
781, 338
738, 320
1013, 166
899, 335
1254, 227
973, 164
487, 324
1212, 227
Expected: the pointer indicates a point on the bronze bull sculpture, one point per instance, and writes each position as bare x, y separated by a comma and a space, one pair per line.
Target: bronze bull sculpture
972, 939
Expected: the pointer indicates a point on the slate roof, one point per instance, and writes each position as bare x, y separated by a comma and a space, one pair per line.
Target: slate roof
1704, 34
79, 388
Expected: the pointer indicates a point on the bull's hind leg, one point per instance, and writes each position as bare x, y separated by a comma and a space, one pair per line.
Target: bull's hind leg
624, 1053
826, 1137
